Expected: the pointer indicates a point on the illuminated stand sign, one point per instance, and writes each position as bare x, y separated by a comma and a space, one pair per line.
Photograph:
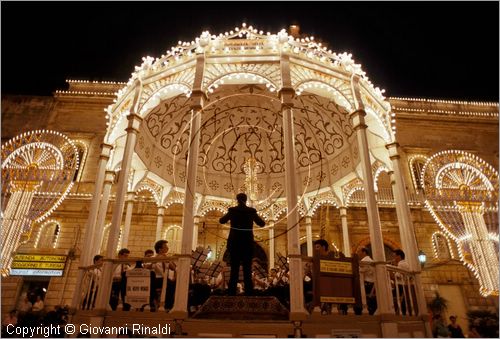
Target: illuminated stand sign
38, 265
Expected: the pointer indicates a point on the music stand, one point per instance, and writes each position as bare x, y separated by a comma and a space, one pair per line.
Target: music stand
259, 270
214, 270
198, 257
282, 261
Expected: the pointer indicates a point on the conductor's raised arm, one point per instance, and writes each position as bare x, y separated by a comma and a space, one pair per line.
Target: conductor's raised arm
226, 217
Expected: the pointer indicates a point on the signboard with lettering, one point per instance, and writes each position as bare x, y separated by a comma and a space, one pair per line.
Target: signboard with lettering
330, 266
336, 280
38, 264
138, 287
31, 272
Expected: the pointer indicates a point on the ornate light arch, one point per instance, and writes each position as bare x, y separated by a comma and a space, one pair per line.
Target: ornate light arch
153, 99
318, 200
348, 190
246, 50
239, 74
151, 187
214, 205
37, 173
461, 192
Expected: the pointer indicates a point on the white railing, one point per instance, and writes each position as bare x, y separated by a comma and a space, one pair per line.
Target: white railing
404, 289
385, 197
91, 280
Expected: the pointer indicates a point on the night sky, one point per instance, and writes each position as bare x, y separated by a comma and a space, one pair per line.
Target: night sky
447, 50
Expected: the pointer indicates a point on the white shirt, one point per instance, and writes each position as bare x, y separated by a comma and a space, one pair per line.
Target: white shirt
160, 267
402, 265
368, 271
117, 274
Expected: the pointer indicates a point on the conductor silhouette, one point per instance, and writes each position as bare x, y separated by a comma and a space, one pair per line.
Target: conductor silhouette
240, 242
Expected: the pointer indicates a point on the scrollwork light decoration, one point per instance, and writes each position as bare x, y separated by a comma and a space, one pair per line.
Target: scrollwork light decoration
37, 172
461, 192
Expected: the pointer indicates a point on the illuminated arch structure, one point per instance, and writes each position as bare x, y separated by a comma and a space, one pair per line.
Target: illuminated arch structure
37, 173
228, 98
242, 121
461, 192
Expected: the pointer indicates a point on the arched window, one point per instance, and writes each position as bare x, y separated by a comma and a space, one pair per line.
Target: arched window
82, 155
417, 163
48, 235
105, 237
383, 186
441, 246
173, 235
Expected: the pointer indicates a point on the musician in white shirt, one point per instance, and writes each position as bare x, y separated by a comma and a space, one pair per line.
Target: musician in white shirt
402, 264
161, 268
119, 285
369, 280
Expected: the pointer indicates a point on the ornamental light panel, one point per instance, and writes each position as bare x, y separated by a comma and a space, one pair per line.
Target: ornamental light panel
461, 192
37, 173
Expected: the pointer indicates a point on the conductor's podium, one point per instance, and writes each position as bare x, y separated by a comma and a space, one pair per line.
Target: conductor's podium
242, 308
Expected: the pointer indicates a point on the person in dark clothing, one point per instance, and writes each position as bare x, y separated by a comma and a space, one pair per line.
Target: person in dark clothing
455, 329
240, 241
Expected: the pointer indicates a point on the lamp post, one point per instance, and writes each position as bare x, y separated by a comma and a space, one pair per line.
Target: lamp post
422, 258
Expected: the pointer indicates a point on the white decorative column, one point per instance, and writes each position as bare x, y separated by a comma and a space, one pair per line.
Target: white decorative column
179, 310
90, 232
309, 236
384, 294
345, 231
103, 210
297, 311
271, 244
86, 256
134, 122
406, 228
195, 232
128, 218
159, 222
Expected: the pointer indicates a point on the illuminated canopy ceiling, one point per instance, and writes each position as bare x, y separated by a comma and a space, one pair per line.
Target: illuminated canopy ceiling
243, 72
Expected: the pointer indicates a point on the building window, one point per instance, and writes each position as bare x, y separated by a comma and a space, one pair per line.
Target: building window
417, 163
173, 235
82, 155
48, 235
441, 246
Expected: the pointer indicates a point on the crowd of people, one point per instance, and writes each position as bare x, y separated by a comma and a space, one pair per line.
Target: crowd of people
31, 316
